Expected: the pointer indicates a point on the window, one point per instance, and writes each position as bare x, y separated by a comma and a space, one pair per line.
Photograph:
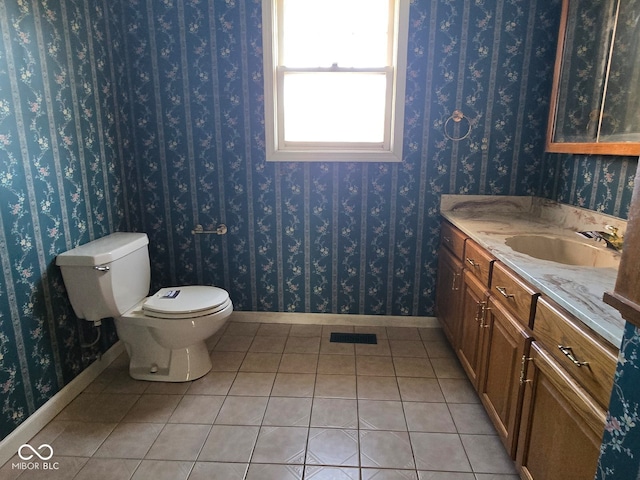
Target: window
334, 79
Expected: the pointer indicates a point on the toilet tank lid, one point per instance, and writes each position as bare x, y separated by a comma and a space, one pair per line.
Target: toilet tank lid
103, 250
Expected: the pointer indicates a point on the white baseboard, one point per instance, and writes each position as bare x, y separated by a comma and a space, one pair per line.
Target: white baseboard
42, 416
336, 319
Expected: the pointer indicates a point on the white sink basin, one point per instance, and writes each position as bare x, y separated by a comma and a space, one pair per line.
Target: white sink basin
564, 250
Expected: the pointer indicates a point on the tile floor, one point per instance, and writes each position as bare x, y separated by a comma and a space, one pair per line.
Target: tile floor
284, 403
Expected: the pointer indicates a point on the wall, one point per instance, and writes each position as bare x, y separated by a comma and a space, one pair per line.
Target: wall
322, 237
597, 182
63, 158
619, 450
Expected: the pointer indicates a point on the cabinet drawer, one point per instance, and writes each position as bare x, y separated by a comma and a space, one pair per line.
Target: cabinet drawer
513, 293
562, 425
571, 344
477, 261
453, 239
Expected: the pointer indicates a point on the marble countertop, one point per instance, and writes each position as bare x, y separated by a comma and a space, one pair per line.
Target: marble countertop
490, 220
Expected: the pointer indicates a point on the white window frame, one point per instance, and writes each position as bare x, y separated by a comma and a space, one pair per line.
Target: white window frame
390, 150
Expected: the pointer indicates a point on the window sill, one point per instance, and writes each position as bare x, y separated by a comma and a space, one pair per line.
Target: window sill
332, 156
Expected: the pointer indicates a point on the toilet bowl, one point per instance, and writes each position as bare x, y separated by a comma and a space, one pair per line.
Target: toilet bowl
164, 334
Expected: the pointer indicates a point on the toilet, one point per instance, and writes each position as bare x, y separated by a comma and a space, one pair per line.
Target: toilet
164, 334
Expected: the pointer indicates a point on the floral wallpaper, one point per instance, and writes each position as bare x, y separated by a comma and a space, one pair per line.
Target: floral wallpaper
621, 443
64, 174
597, 182
140, 115
322, 237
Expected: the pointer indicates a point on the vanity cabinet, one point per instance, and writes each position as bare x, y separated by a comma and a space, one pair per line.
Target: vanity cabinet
448, 293
569, 372
475, 292
561, 426
505, 341
542, 376
590, 361
494, 337
505, 344
478, 261
517, 296
472, 326
453, 239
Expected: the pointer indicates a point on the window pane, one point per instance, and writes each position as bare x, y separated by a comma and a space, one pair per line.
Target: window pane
334, 107
351, 33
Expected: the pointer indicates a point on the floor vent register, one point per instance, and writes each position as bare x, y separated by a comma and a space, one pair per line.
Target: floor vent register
368, 338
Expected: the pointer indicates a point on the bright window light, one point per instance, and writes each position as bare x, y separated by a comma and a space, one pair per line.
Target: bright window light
347, 107
349, 33
334, 79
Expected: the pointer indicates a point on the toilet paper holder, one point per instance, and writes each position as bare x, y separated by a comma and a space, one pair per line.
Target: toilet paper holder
220, 230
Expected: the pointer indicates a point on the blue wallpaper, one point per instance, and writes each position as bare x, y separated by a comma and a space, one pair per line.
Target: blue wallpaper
323, 237
621, 443
147, 116
63, 181
596, 182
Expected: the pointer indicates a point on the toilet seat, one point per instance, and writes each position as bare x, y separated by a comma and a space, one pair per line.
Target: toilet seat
186, 302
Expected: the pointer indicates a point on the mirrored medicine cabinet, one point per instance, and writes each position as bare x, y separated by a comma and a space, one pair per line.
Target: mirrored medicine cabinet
595, 104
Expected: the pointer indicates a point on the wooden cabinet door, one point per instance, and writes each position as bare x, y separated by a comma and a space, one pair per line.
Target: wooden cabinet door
448, 294
471, 325
504, 345
561, 427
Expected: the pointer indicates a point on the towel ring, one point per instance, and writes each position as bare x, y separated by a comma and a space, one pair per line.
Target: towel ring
457, 116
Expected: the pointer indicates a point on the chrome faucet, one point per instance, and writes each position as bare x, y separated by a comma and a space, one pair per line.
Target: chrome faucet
610, 237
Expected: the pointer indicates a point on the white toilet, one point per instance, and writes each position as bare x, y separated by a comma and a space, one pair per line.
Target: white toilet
165, 333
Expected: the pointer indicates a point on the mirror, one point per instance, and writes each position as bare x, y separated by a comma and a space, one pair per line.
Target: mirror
595, 104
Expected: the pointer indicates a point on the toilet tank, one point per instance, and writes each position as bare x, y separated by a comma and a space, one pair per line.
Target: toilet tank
106, 277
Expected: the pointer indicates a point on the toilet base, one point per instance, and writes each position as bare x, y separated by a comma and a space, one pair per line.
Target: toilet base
180, 365
168, 350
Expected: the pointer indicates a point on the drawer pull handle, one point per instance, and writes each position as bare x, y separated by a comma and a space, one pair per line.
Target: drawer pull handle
446, 239
472, 262
481, 315
454, 285
480, 308
503, 292
523, 368
568, 352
